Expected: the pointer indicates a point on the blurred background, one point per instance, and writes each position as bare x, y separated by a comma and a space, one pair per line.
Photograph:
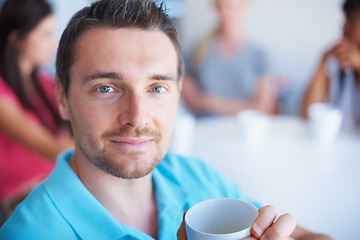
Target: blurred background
317, 183
294, 33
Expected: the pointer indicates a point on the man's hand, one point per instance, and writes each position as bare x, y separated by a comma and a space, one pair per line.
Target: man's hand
181, 233
265, 227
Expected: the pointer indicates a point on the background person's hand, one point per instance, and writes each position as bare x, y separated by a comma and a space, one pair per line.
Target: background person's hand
348, 54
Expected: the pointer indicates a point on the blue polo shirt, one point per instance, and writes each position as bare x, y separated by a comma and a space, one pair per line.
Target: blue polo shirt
63, 208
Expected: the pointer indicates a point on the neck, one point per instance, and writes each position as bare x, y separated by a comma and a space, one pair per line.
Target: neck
231, 42
233, 33
26, 69
130, 201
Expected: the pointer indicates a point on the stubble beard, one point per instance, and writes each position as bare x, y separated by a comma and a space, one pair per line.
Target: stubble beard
116, 163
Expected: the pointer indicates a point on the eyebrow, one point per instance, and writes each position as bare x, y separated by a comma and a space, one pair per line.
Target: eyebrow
163, 77
100, 75
118, 76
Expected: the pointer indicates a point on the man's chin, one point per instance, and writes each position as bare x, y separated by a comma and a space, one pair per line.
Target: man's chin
126, 173
129, 165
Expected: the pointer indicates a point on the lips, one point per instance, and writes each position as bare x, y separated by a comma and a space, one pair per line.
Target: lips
132, 144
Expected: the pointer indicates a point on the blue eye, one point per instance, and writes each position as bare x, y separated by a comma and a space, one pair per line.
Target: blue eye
158, 89
105, 89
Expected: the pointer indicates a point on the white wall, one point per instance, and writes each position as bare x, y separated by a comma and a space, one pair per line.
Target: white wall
295, 34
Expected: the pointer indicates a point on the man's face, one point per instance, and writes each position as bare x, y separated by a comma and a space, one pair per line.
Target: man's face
122, 100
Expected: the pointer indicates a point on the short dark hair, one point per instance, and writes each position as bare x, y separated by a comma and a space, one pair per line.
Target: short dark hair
143, 14
350, 6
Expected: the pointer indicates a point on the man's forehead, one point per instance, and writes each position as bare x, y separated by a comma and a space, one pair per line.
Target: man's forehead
109, 48
123, 33
131, 36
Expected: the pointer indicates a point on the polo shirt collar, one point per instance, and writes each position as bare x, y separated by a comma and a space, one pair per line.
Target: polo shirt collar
90, 219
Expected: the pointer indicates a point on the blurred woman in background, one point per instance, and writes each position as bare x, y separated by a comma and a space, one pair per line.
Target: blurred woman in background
31, 130
227, 73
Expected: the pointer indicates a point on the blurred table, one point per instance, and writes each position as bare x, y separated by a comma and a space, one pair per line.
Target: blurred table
289, 169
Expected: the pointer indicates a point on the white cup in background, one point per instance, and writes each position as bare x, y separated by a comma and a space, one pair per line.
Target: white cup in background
183, 135
325, 122
253, 124
220, 219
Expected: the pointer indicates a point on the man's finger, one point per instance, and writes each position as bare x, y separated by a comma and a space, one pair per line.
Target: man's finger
263, 221
282, 228
252, 238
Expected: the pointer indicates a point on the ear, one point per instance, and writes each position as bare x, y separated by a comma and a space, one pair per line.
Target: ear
62, 100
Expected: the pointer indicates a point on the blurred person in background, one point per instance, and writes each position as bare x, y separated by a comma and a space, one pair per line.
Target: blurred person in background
32, 132
336, 79
227, 73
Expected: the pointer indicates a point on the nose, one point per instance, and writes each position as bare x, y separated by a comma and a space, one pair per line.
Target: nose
134, 110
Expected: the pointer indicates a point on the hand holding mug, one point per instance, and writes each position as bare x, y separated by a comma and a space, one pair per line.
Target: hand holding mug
266, 228
195, 226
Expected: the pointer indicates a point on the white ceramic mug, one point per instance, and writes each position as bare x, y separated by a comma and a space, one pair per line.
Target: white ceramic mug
183, 135
220, 219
